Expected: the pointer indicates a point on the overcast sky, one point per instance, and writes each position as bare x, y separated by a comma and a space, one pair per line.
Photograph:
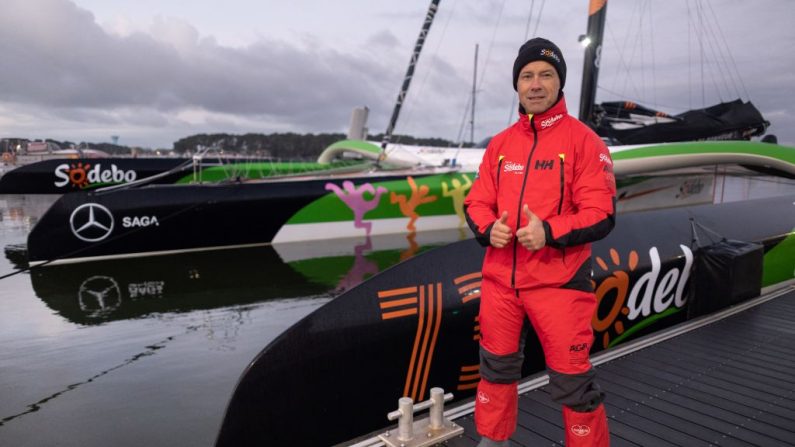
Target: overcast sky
154, 71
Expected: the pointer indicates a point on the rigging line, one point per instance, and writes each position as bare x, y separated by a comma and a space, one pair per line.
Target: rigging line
701, 53
623, 64
638, 47
459, 140
689, 58
718, 56
709, 37
641, 43
514, 98
181, 167
15, 272
411, 106
731, 56
717, 64
710, 52
622, 48
483, 69
538, 17
653, 62
628, 79
491, 45
650, 42
726, 68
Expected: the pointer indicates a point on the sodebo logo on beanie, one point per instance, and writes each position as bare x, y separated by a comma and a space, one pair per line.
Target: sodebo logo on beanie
549, 53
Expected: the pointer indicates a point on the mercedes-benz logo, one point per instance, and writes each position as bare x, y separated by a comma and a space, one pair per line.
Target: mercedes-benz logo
91, 222
99, 296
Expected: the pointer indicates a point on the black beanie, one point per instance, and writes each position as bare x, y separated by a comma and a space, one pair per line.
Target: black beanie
540, 49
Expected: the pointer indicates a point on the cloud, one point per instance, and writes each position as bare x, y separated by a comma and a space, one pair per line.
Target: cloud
68, 62
64, 75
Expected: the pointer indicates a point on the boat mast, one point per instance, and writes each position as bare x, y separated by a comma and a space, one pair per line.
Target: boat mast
426, 26
597, 12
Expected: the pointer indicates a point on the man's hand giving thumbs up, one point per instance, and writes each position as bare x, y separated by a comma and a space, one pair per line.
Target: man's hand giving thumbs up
531, 236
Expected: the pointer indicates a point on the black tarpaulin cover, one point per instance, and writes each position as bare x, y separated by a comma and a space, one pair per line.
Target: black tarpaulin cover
625, 122
725, 273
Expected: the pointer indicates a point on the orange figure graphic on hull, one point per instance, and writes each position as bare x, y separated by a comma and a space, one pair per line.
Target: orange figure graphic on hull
408, 206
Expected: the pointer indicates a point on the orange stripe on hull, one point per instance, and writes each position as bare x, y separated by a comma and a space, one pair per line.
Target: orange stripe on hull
395, 292
398, 314
409, 390
468, 287
417, 390
437, 324
396, 303
463, 278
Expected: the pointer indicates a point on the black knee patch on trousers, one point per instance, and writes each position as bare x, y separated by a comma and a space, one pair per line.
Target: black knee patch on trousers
576, 391
501, 368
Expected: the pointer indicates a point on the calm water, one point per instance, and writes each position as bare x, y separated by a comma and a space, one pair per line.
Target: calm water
148, 351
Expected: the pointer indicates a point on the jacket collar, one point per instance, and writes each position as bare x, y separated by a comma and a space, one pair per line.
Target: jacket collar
545, 120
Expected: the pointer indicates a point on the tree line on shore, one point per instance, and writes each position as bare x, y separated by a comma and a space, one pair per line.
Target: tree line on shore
275, 145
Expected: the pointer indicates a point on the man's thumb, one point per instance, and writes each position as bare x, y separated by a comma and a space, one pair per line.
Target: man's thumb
504, 217
529, 214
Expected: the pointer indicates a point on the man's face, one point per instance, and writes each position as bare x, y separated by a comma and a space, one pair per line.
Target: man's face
538, 86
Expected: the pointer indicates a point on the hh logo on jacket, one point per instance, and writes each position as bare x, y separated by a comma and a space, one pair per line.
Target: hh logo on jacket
545, 164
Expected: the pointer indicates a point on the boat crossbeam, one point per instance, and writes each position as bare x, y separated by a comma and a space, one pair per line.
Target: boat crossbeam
436, 427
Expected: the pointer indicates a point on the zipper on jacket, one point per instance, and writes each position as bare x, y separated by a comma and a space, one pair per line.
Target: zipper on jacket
562, 190
521, 197
499, 169
562, 170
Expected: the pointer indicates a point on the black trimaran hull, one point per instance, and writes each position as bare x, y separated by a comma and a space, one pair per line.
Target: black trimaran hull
414, 326
177, 218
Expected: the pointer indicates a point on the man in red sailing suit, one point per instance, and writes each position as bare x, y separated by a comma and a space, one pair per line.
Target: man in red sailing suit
545, 190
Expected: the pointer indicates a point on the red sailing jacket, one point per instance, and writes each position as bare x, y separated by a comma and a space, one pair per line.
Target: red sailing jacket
563, 171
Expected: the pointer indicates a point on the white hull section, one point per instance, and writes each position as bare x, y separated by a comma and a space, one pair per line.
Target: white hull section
346, 229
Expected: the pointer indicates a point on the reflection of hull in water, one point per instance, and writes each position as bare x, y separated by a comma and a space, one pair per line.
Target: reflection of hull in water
415, 326
91, 293
167, 218
121, 289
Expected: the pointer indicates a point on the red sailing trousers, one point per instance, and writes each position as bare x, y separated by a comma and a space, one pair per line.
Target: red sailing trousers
562, 320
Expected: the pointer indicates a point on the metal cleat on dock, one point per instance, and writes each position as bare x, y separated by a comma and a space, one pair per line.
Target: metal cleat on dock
424, 432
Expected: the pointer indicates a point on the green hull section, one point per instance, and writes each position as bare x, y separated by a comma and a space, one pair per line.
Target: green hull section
261, 170
779, 262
